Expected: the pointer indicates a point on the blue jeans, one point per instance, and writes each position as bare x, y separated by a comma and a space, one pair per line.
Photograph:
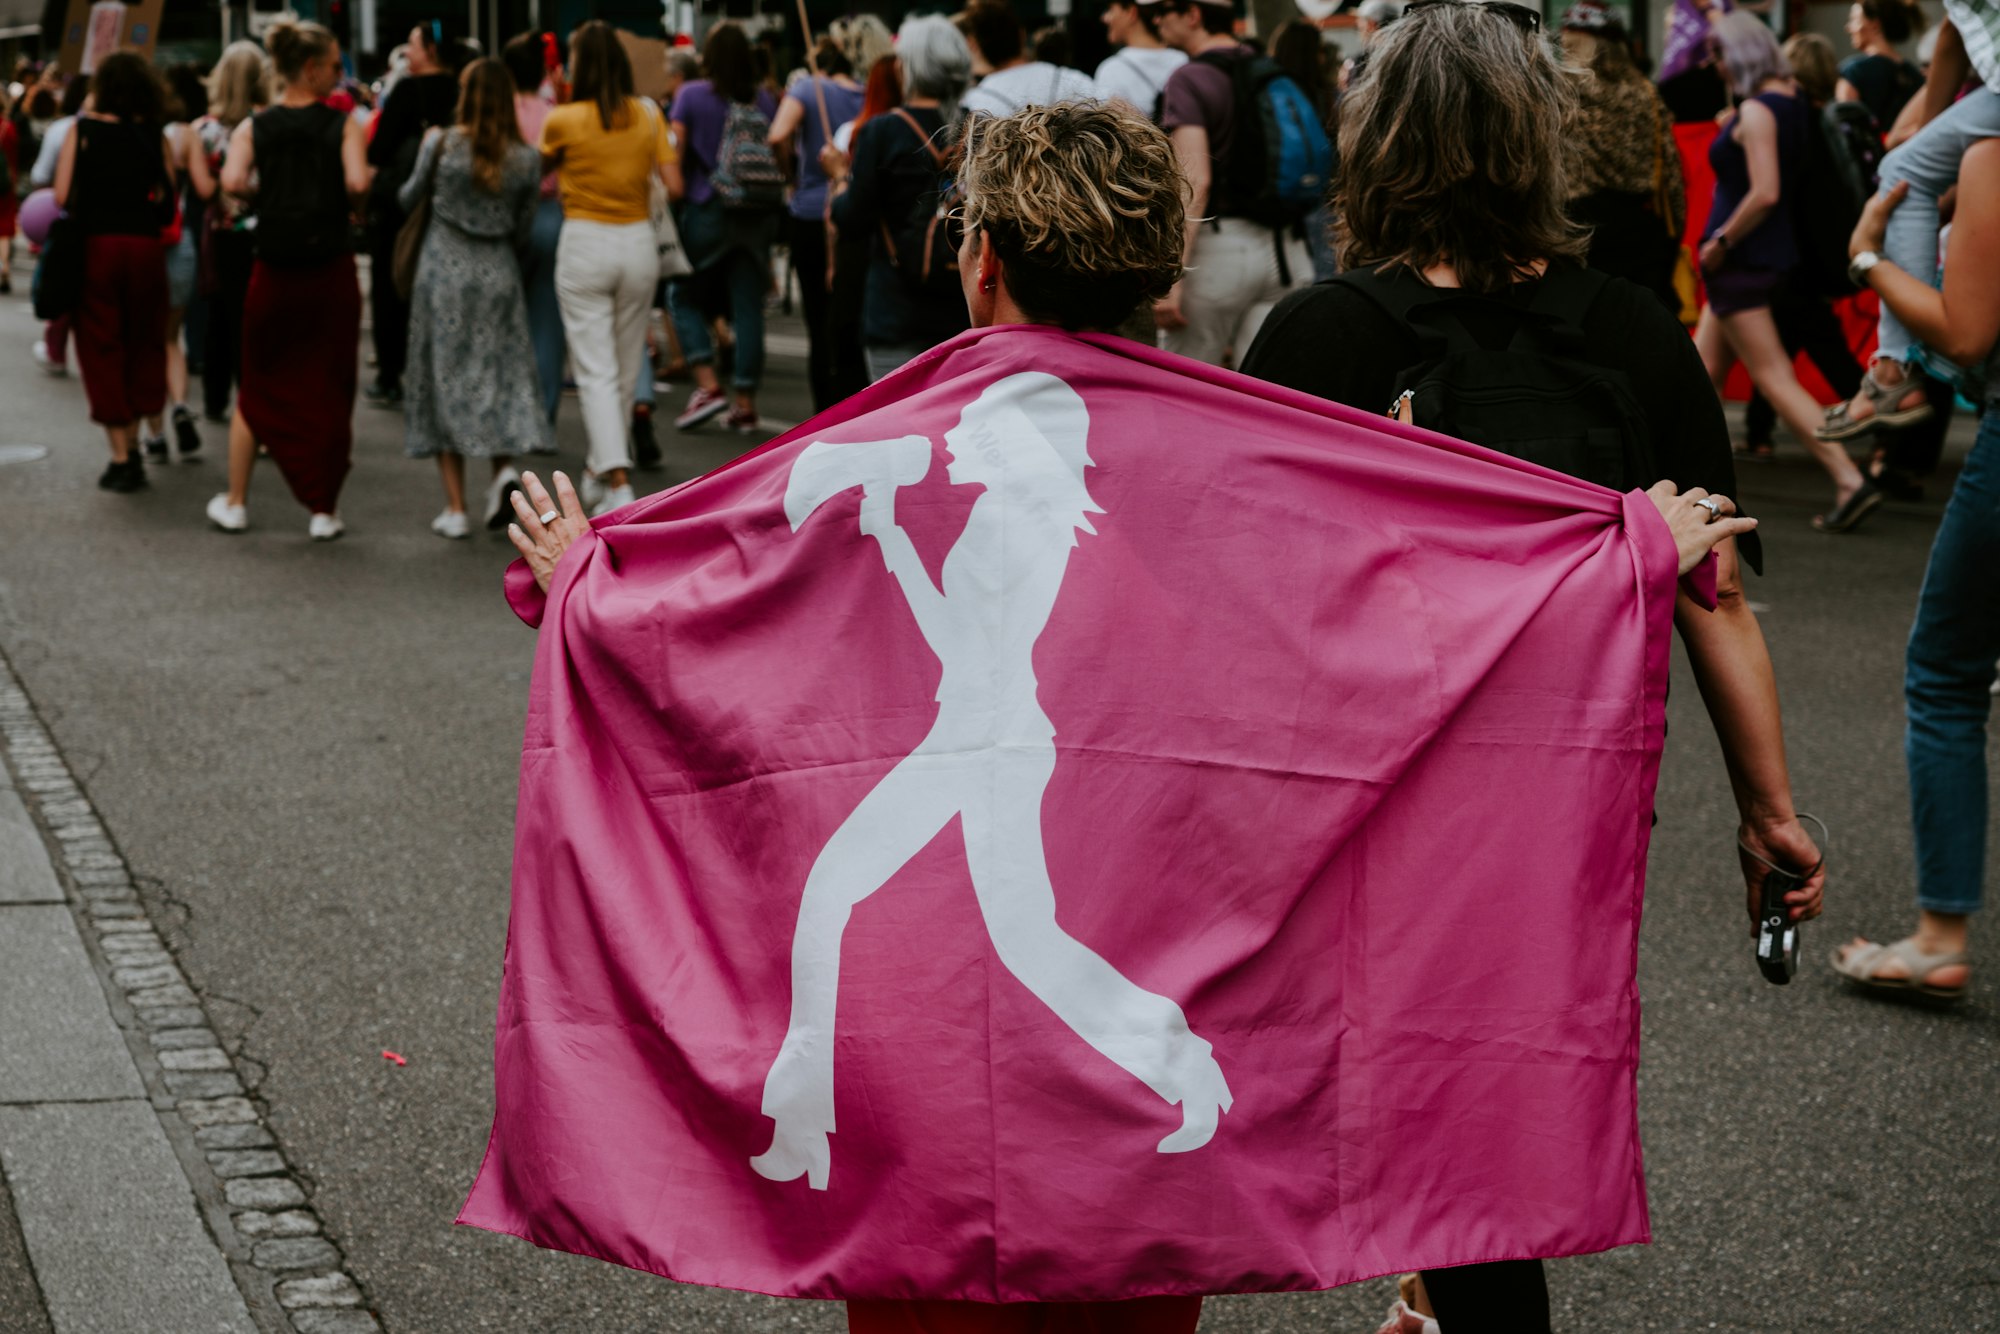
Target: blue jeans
1947, 684
1929, 162
545, 326
739, 269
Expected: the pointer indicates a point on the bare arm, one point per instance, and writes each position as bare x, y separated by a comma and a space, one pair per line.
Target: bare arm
791, 113
1950, 68
354, 159
1191, 150
1732, 669
199, 175
1963, 320
66, 165
242, 161
1756, 129
1843, 91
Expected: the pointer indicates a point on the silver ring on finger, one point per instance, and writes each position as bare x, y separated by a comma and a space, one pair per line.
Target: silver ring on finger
549, 518
1709, 503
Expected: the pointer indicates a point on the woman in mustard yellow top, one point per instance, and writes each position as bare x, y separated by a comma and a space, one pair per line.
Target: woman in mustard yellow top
608, 145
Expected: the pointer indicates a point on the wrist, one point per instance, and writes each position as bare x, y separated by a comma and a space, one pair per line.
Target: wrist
1765, 817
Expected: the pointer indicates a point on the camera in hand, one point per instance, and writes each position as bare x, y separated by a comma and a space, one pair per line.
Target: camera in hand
1777, 933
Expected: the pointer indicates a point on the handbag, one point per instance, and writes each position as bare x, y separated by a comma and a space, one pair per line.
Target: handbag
409, 246
59, 278
673, 256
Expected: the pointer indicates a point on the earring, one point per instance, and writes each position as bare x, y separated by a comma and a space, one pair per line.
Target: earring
986, 285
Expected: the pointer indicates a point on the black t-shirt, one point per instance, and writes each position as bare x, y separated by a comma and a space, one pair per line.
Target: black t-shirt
1885, 85
1331, 341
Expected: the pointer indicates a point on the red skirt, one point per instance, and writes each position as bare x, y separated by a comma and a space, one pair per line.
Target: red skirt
301, 336
121, 328
1146, 1315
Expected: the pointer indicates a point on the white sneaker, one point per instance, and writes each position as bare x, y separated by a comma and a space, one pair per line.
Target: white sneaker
47, 363
590, 492
498, 512
325, 527
229, 518
451, 523
614, 497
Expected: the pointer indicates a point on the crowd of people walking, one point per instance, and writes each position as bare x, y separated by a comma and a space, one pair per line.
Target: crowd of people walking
1371, 227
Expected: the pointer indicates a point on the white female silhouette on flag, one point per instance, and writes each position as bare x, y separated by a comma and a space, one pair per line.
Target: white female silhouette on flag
987, 761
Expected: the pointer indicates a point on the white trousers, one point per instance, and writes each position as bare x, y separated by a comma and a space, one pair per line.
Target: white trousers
605, 277
1231, 286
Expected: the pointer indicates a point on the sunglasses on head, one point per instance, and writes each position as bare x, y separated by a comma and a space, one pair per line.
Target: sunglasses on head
1522, 17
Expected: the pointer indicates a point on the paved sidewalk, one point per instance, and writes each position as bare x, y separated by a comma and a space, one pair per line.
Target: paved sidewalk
139, 1193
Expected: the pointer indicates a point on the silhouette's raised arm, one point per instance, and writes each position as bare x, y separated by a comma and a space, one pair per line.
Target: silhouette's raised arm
929, 606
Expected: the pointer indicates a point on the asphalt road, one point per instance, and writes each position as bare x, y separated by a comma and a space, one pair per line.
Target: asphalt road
308, 751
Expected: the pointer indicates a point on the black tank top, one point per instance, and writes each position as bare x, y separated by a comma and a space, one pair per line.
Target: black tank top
302, 206
120, 185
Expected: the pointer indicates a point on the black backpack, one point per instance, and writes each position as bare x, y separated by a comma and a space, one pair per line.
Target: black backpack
302, 205
1537, 397
923, 247
1837, 174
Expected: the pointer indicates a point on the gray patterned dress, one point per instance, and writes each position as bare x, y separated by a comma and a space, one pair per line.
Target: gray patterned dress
470, 388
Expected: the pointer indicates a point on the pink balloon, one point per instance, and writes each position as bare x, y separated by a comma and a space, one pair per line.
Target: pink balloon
38, 213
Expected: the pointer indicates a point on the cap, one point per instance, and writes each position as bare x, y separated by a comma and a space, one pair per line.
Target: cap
1589, 16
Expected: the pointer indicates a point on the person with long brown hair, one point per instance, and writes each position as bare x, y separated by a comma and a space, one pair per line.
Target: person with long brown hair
116, 180
609, 146
728, 240
306, 164
464, 391
1450, 187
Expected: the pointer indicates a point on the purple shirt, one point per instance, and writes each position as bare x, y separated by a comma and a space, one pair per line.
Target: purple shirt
702, 112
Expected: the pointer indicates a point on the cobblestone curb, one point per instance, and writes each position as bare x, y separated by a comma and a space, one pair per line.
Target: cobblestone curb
293, 1278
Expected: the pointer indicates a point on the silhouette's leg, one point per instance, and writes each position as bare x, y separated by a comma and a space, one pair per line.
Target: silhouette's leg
1145, 1034
891, 825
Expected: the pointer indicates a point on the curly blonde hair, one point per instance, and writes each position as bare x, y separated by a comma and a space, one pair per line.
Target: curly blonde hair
1085, 204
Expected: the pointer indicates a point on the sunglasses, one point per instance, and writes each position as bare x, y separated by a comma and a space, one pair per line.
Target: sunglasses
1522, 17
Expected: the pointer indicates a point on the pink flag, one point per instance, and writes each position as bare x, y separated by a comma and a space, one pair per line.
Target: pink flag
1072, 824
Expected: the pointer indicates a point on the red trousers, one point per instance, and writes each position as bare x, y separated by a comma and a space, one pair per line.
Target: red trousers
301, 327
1146, 1315
121, 328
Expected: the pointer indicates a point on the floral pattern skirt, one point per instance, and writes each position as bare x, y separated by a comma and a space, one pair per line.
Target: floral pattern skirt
470, 386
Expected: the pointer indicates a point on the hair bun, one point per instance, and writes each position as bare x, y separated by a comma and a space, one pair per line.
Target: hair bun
282, 39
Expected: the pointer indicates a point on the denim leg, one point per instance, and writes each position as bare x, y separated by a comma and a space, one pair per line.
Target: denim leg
545, 326
690, 325
1929, 162
747, 283
1946, 685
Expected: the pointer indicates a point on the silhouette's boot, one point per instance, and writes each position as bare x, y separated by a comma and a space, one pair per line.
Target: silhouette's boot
796, 1152
1204, 1098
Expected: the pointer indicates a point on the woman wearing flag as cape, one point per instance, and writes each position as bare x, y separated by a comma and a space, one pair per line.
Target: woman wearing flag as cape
1073, 218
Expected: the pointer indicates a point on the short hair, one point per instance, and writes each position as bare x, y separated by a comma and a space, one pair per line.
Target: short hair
525, 61
1815, 65
600, 71
1451, 150
1216, 20
992, 25
294, 45
1750, 53
684, 63
1085, 204
936, 62
239, 84
127, 88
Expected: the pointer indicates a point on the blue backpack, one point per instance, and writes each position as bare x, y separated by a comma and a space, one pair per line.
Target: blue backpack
1280, 160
